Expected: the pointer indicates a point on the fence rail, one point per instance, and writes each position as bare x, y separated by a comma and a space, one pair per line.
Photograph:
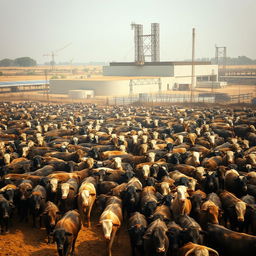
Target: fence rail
246, 97
159, 98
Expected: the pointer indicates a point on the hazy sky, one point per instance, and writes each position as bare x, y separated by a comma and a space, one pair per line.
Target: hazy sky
99, 30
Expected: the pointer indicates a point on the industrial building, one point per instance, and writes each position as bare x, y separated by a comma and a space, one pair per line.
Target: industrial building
147, 74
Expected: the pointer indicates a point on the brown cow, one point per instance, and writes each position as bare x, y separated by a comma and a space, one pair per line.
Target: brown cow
181, 204
66, 232
111, 220
191, 249
209, 213
234, 209
86, 198
50, 217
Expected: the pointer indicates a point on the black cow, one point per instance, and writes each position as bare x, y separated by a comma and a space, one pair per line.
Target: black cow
23, 194
155, 238
131, 199
175, 237
193, 231
228, 242
211, 183
37, 203
50, 217
5, 214
136, 227
66, 232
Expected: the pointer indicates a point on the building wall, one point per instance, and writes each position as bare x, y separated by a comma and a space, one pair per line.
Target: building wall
200, 70
161, 71
106, 88
169, 75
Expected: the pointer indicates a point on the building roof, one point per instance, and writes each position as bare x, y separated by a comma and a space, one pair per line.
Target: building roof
160, 63
23, 83
107, 78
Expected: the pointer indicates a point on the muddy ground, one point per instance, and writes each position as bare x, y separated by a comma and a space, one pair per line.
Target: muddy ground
23, 240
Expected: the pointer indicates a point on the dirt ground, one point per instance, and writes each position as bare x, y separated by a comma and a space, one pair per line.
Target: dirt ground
23, 240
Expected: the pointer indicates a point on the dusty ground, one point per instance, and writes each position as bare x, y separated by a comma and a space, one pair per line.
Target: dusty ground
23, 240
38, 72
61, 98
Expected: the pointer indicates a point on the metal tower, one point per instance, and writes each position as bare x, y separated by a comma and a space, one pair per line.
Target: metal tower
146, 45
138, 43
221, 57
155, 45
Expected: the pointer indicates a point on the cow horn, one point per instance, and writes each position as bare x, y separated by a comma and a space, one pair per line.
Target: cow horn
212, 251
189, 252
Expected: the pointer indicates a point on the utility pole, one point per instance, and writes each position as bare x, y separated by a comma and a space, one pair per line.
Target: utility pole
193, 67
46, 87
212, 78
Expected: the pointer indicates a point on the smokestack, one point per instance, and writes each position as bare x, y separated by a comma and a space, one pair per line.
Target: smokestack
193, 66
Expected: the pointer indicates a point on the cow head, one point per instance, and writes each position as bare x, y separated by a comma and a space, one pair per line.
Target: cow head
212, 211
193, 235
7, 158
107, 226
64, 190
117, 162
151, 156
146, 171
25, 190
241, 183
181, 193
195, 157
85, 194
149, 208
54, 184
175, 238
61, 236
52, 216
127, 176
240, 208
159, 240
136, 233
230, 157
165, 188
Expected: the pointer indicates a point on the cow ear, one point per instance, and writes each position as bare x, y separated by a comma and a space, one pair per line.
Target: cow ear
131, 228
68, 234
202, 232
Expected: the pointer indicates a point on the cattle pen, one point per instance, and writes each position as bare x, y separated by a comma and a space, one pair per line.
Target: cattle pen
148, 149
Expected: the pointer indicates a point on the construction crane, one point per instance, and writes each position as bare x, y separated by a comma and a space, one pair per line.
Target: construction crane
53, 54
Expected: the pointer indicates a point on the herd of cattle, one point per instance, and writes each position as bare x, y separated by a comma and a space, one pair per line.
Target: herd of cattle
181, 181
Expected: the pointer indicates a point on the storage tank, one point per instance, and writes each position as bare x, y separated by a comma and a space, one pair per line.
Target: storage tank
81, 94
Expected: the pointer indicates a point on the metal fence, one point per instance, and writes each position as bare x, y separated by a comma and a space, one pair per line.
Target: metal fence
159, 98
246, 97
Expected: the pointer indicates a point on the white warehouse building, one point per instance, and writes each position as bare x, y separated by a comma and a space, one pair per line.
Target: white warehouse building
126, 78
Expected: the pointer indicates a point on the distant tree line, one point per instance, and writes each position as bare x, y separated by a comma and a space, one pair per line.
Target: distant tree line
19, 62
240, 60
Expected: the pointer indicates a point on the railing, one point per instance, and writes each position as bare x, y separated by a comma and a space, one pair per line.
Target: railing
246, 97
159, 98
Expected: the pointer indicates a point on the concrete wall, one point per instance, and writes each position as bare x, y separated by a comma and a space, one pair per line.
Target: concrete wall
160, 70
100, 88
107, 88
138, 70
200, 70
211, 84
